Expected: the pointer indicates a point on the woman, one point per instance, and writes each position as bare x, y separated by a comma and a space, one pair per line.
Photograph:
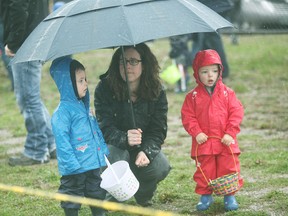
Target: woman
137, 140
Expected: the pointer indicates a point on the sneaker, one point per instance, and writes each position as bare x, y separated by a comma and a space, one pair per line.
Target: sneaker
53, 154
230, 203
205, 202
22, 160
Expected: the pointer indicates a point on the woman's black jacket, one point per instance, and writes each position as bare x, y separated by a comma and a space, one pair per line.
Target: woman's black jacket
115, 119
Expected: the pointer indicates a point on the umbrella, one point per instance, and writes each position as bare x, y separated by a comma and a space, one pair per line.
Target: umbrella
83, 25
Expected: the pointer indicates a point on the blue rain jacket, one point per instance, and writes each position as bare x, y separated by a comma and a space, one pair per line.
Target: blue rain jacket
79, 141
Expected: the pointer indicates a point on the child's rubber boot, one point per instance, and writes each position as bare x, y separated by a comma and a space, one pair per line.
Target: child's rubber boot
98, 211
230, 203
205, 202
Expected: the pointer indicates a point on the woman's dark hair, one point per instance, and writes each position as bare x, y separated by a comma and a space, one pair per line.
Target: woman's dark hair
150, 83
75, 66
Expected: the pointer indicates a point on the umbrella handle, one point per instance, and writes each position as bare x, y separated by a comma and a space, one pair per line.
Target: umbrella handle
129, 92
111, 168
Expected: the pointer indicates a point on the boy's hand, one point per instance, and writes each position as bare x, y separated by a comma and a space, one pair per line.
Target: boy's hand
227, 140
92, 111
201, 138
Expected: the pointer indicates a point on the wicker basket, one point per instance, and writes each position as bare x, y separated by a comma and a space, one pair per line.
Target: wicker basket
222, 185
225, 185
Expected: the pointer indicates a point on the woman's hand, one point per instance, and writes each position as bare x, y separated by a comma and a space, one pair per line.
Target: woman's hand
142, 160
134, 137
201, 138
227, 140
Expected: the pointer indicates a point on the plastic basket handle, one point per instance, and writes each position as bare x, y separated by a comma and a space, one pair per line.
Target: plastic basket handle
111, 168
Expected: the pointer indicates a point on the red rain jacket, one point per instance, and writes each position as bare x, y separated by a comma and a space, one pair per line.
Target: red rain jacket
215, 115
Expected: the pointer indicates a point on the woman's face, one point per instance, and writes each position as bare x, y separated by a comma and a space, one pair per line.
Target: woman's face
133, 65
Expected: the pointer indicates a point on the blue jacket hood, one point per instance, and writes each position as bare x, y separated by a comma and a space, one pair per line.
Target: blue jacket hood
60, 72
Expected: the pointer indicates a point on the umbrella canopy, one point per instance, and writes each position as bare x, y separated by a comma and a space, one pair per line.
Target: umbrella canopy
84, 25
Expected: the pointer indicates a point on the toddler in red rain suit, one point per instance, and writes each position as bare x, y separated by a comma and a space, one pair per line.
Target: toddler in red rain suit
211, 114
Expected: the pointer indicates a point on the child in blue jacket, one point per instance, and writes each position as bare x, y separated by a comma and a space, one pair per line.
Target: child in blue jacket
80, 144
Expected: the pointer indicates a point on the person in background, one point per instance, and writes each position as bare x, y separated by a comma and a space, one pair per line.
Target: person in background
5, 58
213, 40
135, 125
57, 5
81, 148
180, 54
212, 114
65, 1
19, 19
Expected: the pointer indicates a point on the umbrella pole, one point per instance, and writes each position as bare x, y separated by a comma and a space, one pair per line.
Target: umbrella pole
128, 87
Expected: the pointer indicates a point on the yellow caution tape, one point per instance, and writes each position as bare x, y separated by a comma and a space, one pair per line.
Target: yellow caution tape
113, 206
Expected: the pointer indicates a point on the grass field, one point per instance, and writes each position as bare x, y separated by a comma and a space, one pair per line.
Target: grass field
258, 66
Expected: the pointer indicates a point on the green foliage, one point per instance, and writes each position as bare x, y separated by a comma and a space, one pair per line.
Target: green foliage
259, 77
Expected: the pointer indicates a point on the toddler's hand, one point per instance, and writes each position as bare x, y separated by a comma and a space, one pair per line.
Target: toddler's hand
201, 138
227, 140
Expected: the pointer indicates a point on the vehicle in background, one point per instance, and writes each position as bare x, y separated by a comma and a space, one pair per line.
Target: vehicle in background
258, 15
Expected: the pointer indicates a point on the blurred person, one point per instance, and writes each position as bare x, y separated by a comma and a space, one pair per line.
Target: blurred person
19, 19
64, 1
57, 5
5, 58
213, 40
180, 53
212, 114
139, 144
81, 148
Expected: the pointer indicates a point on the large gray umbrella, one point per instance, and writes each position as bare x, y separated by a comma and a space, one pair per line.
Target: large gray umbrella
84, 25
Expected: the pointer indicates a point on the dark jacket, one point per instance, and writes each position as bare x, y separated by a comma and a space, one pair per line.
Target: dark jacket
20, 17
115, 119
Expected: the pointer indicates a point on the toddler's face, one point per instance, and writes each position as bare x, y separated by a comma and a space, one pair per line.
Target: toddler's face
81, 83
208, 75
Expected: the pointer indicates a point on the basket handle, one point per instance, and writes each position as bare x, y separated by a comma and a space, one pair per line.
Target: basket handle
199, 166
111, 168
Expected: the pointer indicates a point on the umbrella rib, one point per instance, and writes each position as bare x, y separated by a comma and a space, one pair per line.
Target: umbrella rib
39, 42
127, 21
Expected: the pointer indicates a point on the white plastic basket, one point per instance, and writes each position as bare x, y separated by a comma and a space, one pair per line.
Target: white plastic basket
119, 180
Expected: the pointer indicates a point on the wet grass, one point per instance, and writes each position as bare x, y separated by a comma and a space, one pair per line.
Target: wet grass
258, 66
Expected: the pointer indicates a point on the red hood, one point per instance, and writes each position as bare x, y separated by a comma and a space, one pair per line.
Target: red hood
204, 58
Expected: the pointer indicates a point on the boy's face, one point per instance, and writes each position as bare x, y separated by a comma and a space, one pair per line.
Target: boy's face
81, 83
208, 75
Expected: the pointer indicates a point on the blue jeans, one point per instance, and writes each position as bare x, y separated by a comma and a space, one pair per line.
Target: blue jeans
40, 140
